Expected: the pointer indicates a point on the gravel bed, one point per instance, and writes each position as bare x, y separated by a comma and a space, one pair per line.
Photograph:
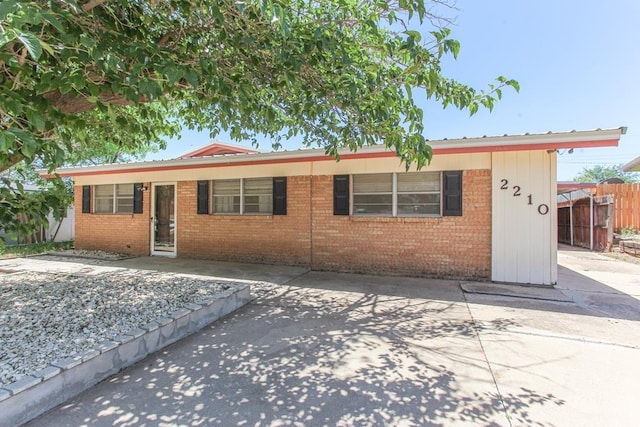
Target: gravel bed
45, 317
84, 253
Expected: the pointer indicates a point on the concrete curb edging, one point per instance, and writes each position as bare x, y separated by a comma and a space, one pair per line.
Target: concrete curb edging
35, 394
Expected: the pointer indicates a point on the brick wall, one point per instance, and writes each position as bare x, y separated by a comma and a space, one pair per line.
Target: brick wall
449, 247
271, 239
122, 233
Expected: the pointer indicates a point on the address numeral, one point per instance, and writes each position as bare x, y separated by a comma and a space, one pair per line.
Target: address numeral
517, 192
543, 209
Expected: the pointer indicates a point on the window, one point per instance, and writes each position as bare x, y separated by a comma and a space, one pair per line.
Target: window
397, 194
373, 194
418, 193
258, 195
116, 198
124, 198
248, 196
104, 198
226, 196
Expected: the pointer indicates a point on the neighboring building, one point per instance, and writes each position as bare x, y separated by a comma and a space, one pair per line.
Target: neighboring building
485, 208
632, 166
57, 231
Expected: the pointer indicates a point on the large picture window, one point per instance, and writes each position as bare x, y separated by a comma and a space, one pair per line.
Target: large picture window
397, 194
248, 196
112, 198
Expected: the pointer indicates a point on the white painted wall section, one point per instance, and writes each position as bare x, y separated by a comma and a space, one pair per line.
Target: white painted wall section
524, 244
67, 230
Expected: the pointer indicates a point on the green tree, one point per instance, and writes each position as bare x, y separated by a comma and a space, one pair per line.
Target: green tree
601, 172
339, 73
23, 212
107, 141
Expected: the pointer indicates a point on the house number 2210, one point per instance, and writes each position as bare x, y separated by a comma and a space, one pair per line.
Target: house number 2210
543, 208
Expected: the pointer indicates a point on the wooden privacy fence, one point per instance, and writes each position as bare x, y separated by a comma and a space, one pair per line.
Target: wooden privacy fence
626, 200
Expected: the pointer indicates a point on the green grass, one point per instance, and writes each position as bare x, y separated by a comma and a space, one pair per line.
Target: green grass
32, 249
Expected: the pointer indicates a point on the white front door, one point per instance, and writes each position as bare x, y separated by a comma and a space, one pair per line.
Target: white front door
163, 221
524, 236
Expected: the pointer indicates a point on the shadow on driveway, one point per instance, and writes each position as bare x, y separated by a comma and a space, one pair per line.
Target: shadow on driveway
325, 349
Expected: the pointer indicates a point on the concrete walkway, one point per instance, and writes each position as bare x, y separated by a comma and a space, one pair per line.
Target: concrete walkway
339, 349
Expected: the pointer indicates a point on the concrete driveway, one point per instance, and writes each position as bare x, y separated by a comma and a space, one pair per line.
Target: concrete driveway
336, 349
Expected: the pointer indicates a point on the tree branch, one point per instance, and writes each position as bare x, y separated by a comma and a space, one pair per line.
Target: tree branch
13, 160
74, 104
92, 5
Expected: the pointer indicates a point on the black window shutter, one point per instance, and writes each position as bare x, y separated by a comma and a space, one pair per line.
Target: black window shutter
452, 193
203, 197
341, 194
280, 196
137, 198
86, 199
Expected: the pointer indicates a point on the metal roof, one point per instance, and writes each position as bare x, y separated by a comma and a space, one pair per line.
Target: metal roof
570, 186
216, 149
632, 166
528, 141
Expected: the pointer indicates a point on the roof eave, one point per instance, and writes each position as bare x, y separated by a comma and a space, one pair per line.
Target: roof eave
632, 166
548, 141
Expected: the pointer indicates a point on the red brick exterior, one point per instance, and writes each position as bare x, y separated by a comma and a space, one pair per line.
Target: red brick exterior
122, 233
271, 239
311, 236
450, 246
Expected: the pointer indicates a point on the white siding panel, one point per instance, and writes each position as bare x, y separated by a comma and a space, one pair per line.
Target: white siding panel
66, 231
523, 238
539, 191
511, 216
553, 210
522, 215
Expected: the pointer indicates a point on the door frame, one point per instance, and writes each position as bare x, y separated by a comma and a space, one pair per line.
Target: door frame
173, 253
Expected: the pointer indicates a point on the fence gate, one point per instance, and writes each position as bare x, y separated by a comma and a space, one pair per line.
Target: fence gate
587, 222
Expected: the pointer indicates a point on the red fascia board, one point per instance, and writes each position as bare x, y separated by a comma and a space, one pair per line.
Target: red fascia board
353, 156
225, 164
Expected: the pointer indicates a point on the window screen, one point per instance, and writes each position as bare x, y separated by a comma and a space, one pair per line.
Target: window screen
103, 199
124, 198
226, 196
258, 195
418, 193
373, 194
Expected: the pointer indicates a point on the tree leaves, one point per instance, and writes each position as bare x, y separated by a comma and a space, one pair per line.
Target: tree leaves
7, 7
331, 71
600, 173
23, 211
338, 73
